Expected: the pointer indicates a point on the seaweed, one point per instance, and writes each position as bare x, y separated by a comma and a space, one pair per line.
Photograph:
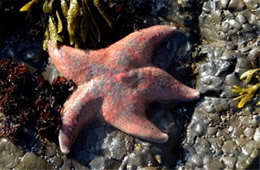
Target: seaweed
27, 98
245, 94
73, 20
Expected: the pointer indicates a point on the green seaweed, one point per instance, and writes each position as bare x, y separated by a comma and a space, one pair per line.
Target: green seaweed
245, 94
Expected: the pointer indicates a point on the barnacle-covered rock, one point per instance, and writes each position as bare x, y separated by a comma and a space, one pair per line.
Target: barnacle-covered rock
220, 138
230, 20
219, 134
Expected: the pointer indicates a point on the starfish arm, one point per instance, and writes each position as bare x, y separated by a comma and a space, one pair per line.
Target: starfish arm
128, 115
79, 111
70, 62
136, 49
155, 84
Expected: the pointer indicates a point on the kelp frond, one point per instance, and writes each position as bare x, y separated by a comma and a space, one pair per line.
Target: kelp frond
245, 94
71, 19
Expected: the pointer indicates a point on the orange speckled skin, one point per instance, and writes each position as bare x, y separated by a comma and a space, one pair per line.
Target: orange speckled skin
116, 84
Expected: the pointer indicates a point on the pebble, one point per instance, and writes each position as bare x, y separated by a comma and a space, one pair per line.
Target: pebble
56, 161
241, 19
31, 161
224, 3
257, 135
229, 161
211, 131
100, 162
9, 151
214, 164
196, 160
241, 141
247, 149
249, 131
236, 5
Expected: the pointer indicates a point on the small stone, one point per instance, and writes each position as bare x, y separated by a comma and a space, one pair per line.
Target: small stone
195, 159
216, 16
10, 154
257, 135
247, 27
247, 149
229, 147
211, 131
100, 162
241, 19
255, 153
252, 19
229, 161
214, 164
224, 3
200, 129
254, 144
31, 161
215, 118
76, 165
236, 5
57, 161
252, 4
241, 141
238, 131
207, 7
50, 151
202, 147
241, 162
207, 158
158, 158
249, 131
233, 23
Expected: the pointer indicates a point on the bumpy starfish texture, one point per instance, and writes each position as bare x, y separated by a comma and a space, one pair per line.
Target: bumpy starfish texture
116, 84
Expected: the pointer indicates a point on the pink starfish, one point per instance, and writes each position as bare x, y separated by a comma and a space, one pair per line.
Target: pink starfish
115, 84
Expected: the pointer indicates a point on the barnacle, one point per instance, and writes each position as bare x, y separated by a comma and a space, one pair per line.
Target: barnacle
71, 20
247, 93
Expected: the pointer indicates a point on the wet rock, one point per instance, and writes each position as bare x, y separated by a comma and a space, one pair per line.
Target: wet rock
241, 141
229, 162
114, 146
257, 135
214, 164
175, 56
236, 5
249, 131
31, 161
140, 159
56, 162
224, 3
50, 72
229, 144
196, 160
236, 13
247, 149
76, 165
229, 147
100, 162
10, 154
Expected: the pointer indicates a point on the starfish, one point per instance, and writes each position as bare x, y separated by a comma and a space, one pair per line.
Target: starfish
116, 84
